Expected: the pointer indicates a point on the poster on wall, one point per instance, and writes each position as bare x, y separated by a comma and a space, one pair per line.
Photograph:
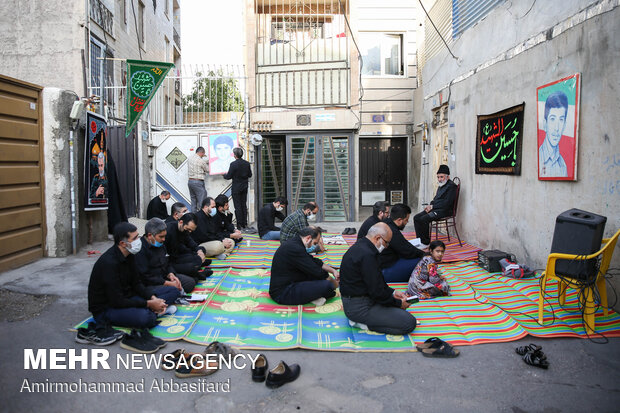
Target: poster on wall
96, 163
498, 142
220, 151
558, 125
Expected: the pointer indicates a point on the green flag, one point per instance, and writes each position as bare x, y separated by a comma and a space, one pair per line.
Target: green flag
143, 80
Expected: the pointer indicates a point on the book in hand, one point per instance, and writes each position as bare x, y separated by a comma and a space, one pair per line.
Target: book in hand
413, 299
416, 243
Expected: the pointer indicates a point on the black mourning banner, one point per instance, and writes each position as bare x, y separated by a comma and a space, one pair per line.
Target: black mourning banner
498, 142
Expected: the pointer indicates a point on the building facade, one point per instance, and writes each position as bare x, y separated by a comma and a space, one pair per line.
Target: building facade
330, 90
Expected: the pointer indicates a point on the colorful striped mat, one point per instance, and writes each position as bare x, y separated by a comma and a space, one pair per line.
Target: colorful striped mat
484, 308
259, 253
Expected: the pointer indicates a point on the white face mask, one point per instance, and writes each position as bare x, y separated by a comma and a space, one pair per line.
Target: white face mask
279, 209
311, 216
381, 247
134, 246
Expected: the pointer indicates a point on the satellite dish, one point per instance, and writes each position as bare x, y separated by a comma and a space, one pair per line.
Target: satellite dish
256, 139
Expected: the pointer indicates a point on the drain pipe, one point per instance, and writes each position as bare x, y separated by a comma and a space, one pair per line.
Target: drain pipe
73, 208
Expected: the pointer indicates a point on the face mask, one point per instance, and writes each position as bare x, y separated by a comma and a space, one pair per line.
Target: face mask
380, 247
158, 244
135, 246
213, 212
163, 201
312, 249
442, 183
311, 216
279, 208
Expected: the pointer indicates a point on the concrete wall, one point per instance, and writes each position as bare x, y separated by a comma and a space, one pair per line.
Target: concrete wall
517, 213
57, 105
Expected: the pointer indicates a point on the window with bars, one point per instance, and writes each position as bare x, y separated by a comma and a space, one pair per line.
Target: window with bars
101, 72
303, 171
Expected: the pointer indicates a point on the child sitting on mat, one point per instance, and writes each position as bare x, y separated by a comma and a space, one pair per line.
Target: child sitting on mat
426, 282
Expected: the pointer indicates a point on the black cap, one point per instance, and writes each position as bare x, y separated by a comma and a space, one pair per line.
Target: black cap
443, 169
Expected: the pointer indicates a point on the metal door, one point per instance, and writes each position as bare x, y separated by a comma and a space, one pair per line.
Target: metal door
272, 177
383, 170
22, 216
440, 152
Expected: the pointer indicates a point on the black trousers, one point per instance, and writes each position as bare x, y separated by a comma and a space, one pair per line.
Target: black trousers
187, 264
240, 200
304, 292
422, 223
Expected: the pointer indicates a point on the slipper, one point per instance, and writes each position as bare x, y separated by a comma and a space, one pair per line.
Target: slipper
346, 231
433, 342
536, 359
444, 351
526, 349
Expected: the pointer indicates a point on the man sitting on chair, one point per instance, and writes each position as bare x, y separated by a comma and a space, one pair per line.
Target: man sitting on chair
440, 207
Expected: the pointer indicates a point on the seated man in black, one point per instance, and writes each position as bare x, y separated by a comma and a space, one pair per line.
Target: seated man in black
380, 212
298, 278
367, 300
115, 294
267, 229
207, 235
177, 210
223, 223
157, 206
153, 263
186, 256
441, 206
400, 257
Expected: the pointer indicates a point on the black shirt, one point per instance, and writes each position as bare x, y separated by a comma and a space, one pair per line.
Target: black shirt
153, 264
399, 248
156, 209
360, 275
239, 171
370, 221
170, 219
291, 264
179, 243
267, 218
443, 203
114, 283
206, 229
223, 226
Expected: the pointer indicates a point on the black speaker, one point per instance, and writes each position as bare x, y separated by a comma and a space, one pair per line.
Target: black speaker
581, 233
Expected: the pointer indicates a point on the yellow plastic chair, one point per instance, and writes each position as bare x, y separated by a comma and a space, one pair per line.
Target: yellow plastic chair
605, 253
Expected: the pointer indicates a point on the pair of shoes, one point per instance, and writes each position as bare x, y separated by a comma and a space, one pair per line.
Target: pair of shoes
188, 364
102, 336
278, 376
533, 355
220, 348
436, 347
142, 341
221, 256
349, 231
358, 325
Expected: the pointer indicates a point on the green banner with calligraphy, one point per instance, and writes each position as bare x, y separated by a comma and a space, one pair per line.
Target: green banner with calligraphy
143, 80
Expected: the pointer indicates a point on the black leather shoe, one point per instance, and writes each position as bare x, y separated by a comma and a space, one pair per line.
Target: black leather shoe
352, 231
204, 274
346, 231
259, 372
282, 374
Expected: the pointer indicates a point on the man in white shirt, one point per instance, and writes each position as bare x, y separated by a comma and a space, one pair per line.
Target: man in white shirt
197, 169
550, 162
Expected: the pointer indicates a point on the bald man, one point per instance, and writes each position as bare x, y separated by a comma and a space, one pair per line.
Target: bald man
367, 300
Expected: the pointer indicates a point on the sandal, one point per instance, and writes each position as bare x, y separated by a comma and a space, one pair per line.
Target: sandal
525, 349
220, 348
433, 342
536, 359
444, 351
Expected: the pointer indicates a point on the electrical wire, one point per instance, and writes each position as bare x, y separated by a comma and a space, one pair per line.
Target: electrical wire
437, 30
135, 21
361, 60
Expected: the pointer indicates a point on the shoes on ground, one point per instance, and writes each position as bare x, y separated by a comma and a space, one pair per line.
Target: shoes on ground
204, 273
282, 374
220, 348
349, 231
195, 365
260, 369
139, 342
103, 336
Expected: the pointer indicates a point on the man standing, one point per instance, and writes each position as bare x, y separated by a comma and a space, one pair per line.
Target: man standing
366, 299
441, 206
400, 257
296, 277
197, 168
157, 206
298, 220
380, 212
153, 262
550, 161
215, 244
239, 171
267, 229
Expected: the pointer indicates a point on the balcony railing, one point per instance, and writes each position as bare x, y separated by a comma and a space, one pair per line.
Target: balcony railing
101, 15
177, 38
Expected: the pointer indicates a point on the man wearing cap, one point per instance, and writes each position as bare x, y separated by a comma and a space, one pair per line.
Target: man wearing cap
441, 206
